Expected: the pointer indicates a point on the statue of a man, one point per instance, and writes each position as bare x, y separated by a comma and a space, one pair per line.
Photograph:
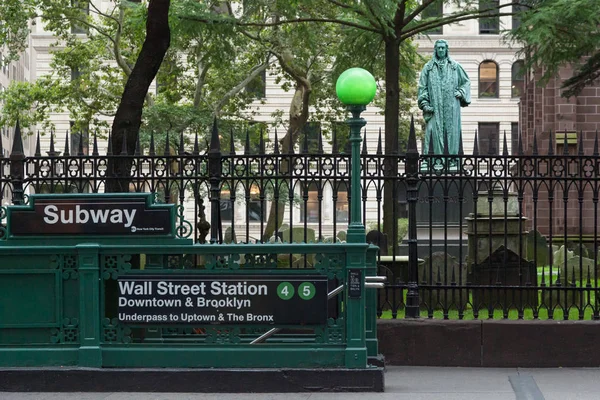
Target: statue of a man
444, 88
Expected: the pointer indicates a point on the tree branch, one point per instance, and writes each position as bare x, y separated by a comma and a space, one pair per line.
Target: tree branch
458, 17
236, 89
202, 70
417, 11
285, 22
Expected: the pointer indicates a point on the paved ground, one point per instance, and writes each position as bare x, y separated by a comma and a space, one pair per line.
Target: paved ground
414, 383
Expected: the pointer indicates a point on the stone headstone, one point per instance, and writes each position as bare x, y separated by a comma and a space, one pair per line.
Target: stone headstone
297, 235
378, 239
443, 269
537, 248
504, 268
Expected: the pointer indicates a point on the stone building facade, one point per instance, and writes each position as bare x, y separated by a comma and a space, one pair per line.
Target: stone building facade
555, 121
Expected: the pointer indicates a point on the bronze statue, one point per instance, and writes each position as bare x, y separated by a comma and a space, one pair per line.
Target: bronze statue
444, 88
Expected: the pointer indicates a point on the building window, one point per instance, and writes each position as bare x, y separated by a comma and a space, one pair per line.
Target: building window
518, 78
487, 137
310, 139
434, 11
257, 87
254, 209
518, 10
341, 203
226, 205
514, 137
84, 8
489, 23
309, 210
488, 79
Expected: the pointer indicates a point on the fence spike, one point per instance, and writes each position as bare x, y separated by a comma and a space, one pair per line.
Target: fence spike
476, 144
461, 151
80, 149
412, 138
399, 144
334, 145
364, 142
276, 148
109, 151
320, 144
181, 147
504, 145
580, 143
196, 147
446, 150
551, 144
247, 144
67, 151
430, 150
17, 148
38, 152
152, 150
291, 144
95, 147
565, 144
520, 142
261, 141
138, 147
215, 141
167, 150
394, 149
124, 144
596, 144
535, 145
379, 147
231, 142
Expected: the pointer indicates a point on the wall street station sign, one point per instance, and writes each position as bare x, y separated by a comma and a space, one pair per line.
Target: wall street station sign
223, 299
129, 214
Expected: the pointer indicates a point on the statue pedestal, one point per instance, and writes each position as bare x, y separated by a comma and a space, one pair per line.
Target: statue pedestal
439, 225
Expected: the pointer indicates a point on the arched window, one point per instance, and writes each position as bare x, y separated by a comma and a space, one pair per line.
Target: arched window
488, 79
518, 78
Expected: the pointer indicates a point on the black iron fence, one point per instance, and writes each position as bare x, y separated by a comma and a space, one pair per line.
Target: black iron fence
460, 236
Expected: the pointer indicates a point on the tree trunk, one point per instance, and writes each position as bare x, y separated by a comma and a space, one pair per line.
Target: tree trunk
392, 104
298, 118
126, 125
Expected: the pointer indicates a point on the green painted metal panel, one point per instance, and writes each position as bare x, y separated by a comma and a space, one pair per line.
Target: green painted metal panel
259, 356
38, 356
29, 298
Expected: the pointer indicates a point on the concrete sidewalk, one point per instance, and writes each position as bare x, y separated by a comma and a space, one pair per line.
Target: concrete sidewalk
415, 383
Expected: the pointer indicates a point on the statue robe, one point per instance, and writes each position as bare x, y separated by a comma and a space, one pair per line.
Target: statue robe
438, 82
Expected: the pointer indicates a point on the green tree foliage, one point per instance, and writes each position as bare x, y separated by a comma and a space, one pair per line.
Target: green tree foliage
559, 32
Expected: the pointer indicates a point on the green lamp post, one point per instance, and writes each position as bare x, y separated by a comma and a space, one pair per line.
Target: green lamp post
356, 88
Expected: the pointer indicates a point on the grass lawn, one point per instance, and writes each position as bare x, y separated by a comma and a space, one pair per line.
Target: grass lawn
589, 299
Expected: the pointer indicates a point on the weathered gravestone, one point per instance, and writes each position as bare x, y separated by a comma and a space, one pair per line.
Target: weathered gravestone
504, 268
443, 270
537, 248
378, 239
569, 270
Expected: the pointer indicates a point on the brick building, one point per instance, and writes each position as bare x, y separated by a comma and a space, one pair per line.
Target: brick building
555, 120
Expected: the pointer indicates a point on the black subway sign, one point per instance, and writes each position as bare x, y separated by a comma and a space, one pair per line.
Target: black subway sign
91, 214
231, 299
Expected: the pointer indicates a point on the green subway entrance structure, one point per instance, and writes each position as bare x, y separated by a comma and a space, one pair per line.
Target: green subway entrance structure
106, 291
